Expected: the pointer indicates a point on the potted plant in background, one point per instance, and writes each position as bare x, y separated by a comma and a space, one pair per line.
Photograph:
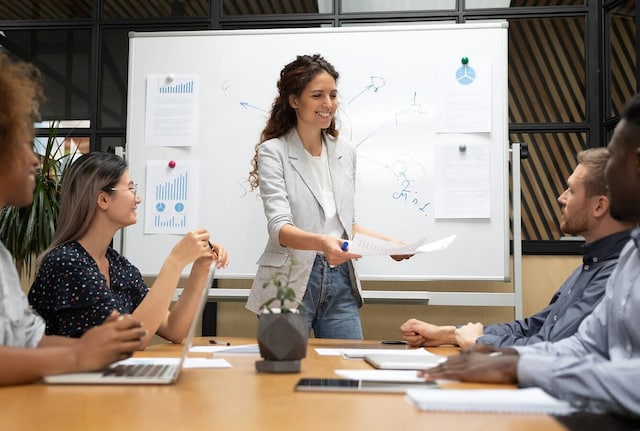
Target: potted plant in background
28, 231
282, 331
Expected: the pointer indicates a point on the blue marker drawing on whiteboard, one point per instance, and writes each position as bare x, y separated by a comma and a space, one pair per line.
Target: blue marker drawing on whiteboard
400, 169
412, 113
345, 246
377, 82
247, 105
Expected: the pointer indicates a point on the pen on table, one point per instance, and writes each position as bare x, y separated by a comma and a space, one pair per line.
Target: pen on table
221, 343
397, 342
345, 246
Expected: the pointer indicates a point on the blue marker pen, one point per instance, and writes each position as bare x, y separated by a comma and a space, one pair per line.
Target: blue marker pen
345, 246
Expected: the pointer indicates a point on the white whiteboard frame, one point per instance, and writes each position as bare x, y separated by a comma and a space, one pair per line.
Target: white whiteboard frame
445, 298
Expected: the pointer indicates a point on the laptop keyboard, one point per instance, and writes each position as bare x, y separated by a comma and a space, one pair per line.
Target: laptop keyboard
137, 370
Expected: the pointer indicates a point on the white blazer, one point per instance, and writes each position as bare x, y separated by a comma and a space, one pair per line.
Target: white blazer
291, 195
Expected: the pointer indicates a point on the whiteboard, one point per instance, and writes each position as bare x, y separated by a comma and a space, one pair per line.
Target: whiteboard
388, 80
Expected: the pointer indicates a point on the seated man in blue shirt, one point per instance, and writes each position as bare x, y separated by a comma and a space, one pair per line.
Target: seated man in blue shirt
598, 368
585, 212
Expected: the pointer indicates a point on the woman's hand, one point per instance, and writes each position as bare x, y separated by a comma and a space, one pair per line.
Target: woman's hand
220, 255
117, 338
334, 252
193, 245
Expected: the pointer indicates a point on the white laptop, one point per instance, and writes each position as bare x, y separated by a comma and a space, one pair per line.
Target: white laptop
386, 361
157, 371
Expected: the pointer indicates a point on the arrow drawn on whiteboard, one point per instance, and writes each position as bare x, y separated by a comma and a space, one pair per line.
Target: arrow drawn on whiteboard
377, 82
225, 86
247, 105
369, 135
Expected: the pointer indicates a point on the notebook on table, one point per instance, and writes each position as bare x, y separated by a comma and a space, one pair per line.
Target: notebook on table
159, 371
386, 361
528, 400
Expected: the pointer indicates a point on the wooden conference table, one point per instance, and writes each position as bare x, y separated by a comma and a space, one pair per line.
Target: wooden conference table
239, 398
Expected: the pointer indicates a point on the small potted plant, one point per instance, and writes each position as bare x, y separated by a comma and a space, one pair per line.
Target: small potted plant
282, 330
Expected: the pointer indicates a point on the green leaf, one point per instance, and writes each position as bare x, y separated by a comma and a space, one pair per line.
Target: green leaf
284, 294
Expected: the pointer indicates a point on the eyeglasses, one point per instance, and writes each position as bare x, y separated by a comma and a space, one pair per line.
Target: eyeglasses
133, 189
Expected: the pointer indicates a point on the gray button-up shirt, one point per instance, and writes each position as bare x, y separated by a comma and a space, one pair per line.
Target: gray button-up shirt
575, 300
598, 368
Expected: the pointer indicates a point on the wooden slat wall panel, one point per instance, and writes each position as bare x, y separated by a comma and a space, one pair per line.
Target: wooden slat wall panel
623, 56
544, 174
525, 3
154, 8
45, 9
268, 7
547, 76
547, 85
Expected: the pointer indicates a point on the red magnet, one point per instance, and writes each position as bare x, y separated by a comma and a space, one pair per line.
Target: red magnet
172, 164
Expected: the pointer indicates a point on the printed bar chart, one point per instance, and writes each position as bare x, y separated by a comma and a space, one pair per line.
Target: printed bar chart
171, 196
170, 199
175, 190
171, 222
182, 88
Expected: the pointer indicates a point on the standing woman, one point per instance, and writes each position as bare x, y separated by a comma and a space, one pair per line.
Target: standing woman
306, 177
81, 278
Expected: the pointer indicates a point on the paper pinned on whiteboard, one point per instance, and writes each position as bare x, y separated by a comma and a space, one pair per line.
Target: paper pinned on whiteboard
172, 110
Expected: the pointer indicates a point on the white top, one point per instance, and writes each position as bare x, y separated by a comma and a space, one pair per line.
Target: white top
19, 326
320, 168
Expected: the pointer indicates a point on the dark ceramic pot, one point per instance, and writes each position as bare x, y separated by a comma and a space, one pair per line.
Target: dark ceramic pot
282, 339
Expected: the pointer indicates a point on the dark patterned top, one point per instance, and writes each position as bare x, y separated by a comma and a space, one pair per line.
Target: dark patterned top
72, 296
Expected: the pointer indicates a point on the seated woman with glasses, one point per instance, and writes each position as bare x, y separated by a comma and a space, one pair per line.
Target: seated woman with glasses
81, 279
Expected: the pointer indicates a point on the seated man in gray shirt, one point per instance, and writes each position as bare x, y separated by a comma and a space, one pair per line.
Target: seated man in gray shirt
598, 368
585, 212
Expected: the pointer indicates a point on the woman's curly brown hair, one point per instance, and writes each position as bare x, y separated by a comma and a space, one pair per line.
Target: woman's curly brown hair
294, 77
20, 94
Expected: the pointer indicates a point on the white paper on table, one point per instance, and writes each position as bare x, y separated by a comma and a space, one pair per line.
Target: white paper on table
360, 353
206, 363
243, 348
369, 246
527, 400
381, 375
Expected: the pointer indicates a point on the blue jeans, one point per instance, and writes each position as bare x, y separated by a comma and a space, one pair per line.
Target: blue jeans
332, 310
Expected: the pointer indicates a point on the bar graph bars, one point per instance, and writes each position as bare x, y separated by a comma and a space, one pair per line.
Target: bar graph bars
170, 198
182, 88
173, 221
173, 190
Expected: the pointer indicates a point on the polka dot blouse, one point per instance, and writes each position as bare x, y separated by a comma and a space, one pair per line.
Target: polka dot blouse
72, 296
